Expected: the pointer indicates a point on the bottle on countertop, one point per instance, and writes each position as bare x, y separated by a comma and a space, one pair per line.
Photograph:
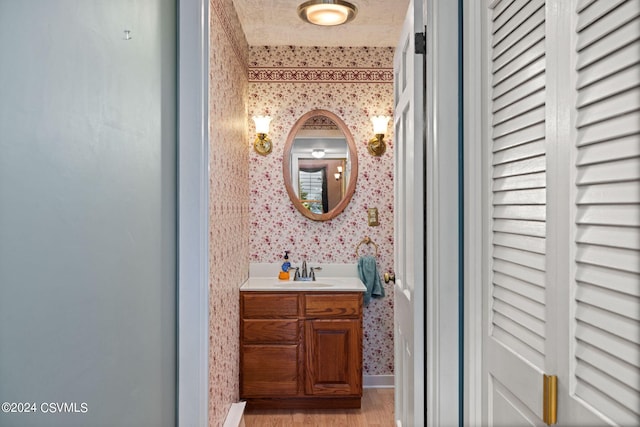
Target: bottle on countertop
286, 266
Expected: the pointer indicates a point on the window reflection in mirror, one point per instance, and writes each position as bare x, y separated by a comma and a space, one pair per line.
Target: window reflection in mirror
320, 184
319, 163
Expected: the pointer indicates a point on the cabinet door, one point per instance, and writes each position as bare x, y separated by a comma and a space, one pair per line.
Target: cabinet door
333, 356
269, 370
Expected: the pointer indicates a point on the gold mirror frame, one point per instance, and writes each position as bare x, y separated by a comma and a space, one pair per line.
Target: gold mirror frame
286, 166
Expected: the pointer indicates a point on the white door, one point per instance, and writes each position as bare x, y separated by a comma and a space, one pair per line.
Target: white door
515, 324
600, 360
562, 169
409, 224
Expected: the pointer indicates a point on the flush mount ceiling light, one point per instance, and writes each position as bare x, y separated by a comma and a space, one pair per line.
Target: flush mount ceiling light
327, 12
318, 154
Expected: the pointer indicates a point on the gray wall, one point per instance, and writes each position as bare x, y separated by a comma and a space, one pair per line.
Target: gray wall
87, 211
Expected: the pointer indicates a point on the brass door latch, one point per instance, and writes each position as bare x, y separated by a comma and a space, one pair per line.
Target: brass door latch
550, 399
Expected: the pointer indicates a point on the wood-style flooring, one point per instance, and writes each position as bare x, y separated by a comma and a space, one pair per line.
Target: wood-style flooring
376, 411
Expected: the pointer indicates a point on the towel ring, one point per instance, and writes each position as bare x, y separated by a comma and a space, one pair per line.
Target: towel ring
367, 241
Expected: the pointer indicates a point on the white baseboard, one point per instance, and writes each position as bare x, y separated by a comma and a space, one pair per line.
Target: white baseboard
234, 417
378, 381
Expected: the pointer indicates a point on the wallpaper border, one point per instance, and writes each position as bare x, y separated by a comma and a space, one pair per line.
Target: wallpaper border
320, 75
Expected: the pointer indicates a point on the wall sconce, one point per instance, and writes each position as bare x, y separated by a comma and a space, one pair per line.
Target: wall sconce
317, 154
338, 174
262, 144
377, 147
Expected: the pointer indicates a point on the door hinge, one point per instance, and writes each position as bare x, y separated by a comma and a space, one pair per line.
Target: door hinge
421, 43
549, 399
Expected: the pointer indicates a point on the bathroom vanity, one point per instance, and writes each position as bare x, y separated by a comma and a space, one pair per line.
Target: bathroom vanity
301, 343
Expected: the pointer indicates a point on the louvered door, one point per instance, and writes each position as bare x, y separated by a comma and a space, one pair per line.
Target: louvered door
563, 210
604, 371
515, 331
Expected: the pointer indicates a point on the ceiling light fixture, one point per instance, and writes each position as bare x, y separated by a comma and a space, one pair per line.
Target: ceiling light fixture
318, 154
327, 12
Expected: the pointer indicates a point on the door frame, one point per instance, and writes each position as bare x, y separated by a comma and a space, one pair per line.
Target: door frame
442, 242
474, 266
442, 298
192, 375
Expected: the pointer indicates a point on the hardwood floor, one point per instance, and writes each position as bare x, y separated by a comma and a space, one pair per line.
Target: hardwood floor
376, 411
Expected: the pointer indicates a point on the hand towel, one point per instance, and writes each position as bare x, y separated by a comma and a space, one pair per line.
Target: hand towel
368, 272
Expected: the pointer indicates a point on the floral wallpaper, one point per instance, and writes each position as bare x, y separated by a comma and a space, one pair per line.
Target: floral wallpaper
228, 203
355, 83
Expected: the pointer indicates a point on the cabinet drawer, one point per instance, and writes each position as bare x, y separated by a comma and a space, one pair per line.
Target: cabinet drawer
332, 305
257, 305
269, 371
269, 330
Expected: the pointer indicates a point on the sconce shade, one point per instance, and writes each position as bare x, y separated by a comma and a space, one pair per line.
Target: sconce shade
262, 123
327, 12
338, 174
318, 154
380, 124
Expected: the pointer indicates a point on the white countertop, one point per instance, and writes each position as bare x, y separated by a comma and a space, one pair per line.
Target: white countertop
327, 284
332, 278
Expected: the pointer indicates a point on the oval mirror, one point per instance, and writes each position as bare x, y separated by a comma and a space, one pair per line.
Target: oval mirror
320, 165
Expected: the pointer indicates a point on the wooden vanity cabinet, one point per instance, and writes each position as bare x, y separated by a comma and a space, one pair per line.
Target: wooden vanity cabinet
301, 349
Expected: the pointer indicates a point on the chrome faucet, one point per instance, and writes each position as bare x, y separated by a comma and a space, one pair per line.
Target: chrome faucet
304, 275
313, 272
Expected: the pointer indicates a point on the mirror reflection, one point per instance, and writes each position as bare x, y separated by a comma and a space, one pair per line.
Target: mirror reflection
319, 165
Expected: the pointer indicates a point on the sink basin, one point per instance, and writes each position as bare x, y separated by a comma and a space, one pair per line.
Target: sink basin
304, 284
337, 284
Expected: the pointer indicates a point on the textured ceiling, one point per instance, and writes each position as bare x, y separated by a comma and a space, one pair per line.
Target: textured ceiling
276, 22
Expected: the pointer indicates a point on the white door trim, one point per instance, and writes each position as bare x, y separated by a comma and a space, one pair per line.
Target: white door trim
193, 196
473, 208
442, 258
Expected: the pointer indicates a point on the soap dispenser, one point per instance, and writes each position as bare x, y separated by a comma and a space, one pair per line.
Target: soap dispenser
286, 266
